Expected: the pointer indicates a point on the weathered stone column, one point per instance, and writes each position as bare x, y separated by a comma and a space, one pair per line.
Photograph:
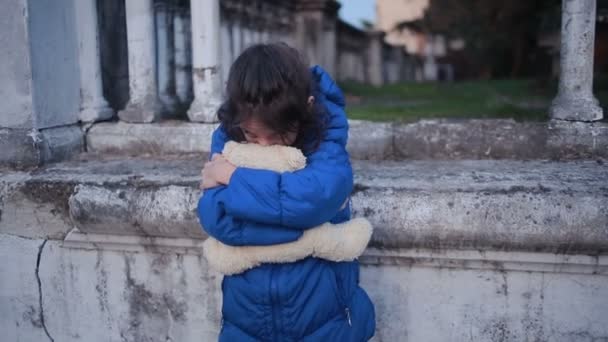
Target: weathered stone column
183, 61
374, 58
143, 105
237, 46
165, 60
93, 106
575, 100
206, 75
226, 51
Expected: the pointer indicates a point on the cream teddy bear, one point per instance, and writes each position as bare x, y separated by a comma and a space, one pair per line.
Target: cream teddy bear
335, 242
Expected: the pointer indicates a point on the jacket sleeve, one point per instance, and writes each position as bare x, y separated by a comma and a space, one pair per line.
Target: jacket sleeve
228, 229
235, 231
301, 199
305, 198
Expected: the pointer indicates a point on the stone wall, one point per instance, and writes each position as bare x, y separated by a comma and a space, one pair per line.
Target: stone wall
110, 250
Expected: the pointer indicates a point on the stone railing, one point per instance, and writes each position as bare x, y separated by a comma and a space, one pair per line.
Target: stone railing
161, 59
170, 59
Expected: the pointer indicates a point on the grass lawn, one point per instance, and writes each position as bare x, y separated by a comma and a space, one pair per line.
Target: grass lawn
518, 99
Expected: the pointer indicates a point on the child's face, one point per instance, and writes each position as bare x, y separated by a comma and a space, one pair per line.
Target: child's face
257, 133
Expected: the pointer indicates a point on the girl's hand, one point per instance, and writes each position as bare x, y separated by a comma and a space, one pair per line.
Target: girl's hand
216, 172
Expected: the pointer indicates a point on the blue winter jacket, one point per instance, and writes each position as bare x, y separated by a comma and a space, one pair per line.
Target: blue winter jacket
308, 300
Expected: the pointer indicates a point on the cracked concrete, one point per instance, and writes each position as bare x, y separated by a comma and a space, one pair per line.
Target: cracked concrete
41, 306
110, 295
19, 290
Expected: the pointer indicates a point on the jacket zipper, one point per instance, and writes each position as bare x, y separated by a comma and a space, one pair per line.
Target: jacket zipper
274, 301
342, 303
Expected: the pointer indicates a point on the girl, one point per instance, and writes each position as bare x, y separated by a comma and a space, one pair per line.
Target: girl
273, 98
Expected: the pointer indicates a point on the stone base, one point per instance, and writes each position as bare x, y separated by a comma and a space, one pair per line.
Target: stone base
145, 111
26, 148
96, 114
578, 109
204, 110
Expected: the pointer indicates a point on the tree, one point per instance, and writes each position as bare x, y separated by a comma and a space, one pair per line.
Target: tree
498, 34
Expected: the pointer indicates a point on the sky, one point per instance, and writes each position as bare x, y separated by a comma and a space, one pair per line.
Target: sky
352, 11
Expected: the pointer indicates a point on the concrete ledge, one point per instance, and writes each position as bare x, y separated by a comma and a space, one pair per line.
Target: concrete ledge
425, 139
172, 137
371, 140
449, 258
28, 148
500, 205
500, 139
535, 206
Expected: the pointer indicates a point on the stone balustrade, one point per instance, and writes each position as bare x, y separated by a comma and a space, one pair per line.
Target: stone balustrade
161, 59
224, 28
179, 56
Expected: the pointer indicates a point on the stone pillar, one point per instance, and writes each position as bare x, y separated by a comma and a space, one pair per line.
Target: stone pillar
226, 52
315, 31
236, 38
93, 106
575, 100
165, 62
183, 61
206, 75
143, 105
374, 58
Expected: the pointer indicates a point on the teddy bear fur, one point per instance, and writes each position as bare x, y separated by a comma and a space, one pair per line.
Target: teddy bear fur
335, 242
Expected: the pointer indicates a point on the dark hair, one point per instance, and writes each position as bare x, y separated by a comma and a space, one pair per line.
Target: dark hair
272, 83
